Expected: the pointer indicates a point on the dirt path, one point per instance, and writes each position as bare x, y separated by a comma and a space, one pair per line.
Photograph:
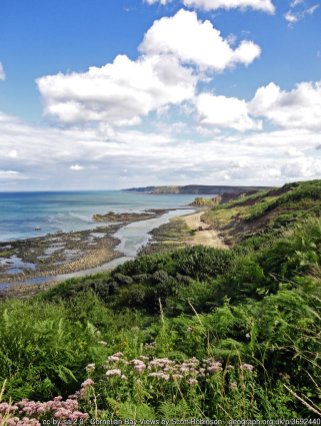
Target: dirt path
203, 235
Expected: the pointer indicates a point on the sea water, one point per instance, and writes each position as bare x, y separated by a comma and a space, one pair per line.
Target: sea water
30, 214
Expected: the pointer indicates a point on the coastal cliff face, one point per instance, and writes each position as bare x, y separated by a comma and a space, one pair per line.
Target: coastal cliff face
197, 189
218, 199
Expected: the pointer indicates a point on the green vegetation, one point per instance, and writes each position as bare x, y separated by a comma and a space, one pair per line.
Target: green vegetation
168, 237
195, 332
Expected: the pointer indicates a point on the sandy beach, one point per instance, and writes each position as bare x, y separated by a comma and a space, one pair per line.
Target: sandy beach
202, 234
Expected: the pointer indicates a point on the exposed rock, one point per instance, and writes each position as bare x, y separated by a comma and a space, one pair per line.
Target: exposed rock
121, 217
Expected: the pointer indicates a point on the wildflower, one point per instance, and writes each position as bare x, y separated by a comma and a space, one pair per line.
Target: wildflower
113, 358
140, 368
119, 354
247, 367
155, 374
101, 342
87, 383
90, 368
159, 375
123, 377
215, 367
177, 376
114, 372
233, 386
192, 382
7, 408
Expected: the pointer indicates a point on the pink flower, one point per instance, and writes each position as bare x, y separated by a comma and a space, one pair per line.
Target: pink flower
88, 382
215, 367
247, 367
113, 358
114, 372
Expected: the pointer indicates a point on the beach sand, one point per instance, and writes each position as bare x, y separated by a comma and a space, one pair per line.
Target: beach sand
202, 235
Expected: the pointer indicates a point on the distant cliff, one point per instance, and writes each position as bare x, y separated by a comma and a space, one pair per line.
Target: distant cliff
222, 198
197, 189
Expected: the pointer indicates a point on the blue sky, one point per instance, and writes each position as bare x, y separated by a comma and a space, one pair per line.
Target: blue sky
107, 94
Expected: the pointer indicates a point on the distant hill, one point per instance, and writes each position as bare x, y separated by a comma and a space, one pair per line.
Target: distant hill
197, 189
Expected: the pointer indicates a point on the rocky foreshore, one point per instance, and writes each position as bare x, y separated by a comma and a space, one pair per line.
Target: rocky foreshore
62, 253
128, 217
56, 254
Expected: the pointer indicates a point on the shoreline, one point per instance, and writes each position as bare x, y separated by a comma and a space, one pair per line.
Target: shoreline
177, 231
184, 231
94, 250
65, 252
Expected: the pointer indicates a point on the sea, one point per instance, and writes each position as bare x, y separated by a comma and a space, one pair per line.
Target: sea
30, 214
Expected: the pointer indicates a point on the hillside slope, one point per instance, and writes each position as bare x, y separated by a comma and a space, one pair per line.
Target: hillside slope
193, 333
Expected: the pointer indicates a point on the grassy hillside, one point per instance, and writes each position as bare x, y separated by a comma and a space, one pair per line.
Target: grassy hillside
196, 332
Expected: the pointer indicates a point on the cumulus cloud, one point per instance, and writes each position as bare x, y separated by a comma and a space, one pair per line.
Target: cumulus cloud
298, 108
261, 5
225, 112
2, 73
196, 42
120, 92
175, 53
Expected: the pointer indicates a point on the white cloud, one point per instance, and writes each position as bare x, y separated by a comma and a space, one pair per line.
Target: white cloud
120, 92
76, 167
298, 11
298, 108
291, 18
11, 154
10, 175
197, 42
2, 73
159, 157
301, 167
225, 112
262, 5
